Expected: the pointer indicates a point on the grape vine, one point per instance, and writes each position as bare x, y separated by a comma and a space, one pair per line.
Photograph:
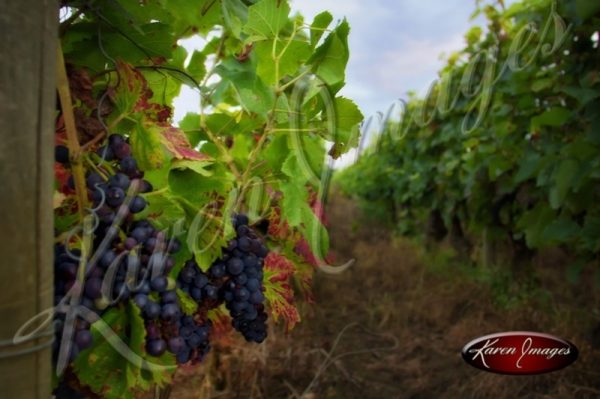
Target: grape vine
167, 230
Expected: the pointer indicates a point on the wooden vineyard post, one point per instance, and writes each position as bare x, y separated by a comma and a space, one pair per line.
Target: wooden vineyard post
28, 32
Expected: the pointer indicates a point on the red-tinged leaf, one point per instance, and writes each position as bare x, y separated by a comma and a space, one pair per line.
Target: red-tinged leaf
130, 89
278, 228
280, 268
278, 291
61, 174
304, 280
221, 326
132, 94
177, 143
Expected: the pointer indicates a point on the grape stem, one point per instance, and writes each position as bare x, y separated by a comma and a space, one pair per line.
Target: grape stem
64, 94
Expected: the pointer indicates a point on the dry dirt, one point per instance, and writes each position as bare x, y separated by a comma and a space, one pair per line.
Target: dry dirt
391, 327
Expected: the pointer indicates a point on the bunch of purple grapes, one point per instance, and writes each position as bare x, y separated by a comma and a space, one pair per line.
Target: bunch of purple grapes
236, 279
243, 291
128, 258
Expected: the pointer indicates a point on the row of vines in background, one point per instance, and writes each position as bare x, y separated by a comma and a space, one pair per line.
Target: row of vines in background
222, 208
527, 175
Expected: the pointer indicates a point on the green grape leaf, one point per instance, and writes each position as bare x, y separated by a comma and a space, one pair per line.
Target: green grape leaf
235, 14
254, 95
561, 230
266, 19
318, 26
199, 167
162, 210
287, 63
200, 15
198, 188
553, 117
329, 60
196, 68
348, 119
563, 180
534, 222
295, 198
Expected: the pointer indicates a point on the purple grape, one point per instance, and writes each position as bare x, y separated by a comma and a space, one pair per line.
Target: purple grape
128, 165
235, 266
137, 205
107, 258
119, 180
210, 291
183, 356
61, 154
105, 153
122, 151
153, 331
257, 297
159, 283
217, 270
130, 243
146, 187
169, 297
196, 293
115, 197
241, 294
253, 285
141, 300
93, 288
93, 179
243, 244
115, 140
140, 234
170, 312
176, 344
152, 310
200, 280
242, 279
174, 246
83, 339
241, 220
156, 347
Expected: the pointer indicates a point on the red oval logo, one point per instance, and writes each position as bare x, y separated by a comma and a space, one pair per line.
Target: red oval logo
519, 352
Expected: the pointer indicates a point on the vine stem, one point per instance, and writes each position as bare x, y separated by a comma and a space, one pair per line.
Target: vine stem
66, 103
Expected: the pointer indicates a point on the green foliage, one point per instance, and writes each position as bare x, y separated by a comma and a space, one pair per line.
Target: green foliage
529, 169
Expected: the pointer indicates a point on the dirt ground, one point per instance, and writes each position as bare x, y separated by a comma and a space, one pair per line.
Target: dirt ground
393, 326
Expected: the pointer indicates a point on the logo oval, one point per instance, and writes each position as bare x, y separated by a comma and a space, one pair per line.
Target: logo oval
520, 353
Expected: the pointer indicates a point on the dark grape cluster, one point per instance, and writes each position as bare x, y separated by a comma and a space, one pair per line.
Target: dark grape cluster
109, 194
182, 335
129, 261
243, 292
235, 278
